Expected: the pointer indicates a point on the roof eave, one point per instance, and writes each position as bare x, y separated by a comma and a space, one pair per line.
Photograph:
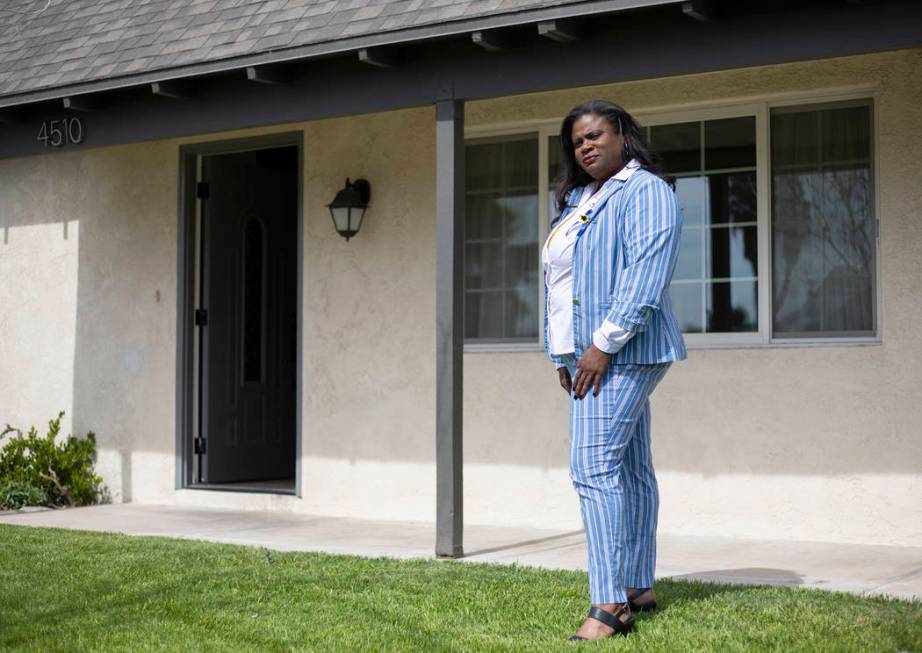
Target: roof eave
337, 47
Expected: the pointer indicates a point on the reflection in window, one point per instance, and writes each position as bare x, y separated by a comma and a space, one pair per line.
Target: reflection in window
678, 146
823, 236
715, 285
822, 225
501, 239
253, 300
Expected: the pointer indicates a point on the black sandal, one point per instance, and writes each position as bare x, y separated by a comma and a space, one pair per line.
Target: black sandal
642, 606
621, 621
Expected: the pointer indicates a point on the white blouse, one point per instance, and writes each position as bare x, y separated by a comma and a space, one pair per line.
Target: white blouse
557, 260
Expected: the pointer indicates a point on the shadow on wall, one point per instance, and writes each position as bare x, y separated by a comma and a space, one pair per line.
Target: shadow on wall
124, 360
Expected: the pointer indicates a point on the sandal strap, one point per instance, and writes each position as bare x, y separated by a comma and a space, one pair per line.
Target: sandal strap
636, 594
616, 620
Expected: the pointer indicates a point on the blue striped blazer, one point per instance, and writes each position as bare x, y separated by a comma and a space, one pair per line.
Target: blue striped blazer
623, 262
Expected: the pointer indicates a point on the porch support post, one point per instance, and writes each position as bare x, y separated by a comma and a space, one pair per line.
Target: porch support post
449, 327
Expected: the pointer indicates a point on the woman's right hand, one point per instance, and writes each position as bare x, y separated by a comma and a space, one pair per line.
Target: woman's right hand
565, 381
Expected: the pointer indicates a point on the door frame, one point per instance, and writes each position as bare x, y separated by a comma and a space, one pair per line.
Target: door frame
186, 275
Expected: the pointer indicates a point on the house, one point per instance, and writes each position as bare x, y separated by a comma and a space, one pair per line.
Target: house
172, 278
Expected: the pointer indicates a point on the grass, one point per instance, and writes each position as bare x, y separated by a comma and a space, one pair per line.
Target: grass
76, 591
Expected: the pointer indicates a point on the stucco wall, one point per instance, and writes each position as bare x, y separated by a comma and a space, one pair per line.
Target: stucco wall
88, 297
804, 443
817, 443
89, 263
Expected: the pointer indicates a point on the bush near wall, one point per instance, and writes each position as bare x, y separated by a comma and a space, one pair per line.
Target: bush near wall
38, 470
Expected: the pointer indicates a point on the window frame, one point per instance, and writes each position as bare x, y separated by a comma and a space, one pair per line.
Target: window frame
516, 344
523, 129
763, 226
869, 100
760, 108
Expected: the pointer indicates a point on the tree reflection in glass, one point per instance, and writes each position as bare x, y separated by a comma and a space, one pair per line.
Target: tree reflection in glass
822, 223
715, 285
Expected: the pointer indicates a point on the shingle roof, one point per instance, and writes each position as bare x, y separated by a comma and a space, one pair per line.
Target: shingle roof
78, 41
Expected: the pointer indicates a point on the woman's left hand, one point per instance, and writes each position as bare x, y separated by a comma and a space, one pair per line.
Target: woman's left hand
590, 369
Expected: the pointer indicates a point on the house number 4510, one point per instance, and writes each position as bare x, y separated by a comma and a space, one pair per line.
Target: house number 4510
57, 133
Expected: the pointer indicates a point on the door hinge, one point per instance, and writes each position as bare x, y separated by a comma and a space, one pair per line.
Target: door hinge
201, 190
201, 317
199, 445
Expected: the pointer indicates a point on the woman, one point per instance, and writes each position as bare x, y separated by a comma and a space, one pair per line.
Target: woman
612, 333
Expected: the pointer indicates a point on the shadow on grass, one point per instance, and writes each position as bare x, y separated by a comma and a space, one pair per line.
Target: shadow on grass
673, 592
746, 576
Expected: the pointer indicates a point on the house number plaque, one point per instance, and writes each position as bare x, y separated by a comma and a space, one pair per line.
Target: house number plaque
58, 133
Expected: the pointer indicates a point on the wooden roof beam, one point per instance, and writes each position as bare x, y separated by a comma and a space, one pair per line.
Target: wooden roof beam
493, 40
703, 10
83, 103
179, 89
275, 75
562, 30
381, 57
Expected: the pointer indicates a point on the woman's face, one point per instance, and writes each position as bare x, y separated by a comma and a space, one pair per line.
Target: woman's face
597, 147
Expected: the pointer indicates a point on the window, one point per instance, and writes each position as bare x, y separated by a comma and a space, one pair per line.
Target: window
715, 285
501, 270
823, 227
779, 238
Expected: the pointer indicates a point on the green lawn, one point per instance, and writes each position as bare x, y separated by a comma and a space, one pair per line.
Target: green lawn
72, 591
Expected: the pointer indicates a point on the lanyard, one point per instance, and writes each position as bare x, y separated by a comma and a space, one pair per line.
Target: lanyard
584, 210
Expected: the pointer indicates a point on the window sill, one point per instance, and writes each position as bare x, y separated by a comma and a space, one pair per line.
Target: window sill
781, 343
691, 344
501, 347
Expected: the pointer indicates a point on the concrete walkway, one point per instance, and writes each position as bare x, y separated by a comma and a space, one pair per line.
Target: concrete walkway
893, 571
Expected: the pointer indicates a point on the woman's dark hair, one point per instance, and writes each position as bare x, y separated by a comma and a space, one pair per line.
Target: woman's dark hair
635, 146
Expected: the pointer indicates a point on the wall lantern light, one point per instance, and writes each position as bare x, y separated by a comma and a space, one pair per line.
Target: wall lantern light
348, 207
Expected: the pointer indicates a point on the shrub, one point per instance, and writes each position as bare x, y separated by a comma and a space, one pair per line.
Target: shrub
16, 494
61, 471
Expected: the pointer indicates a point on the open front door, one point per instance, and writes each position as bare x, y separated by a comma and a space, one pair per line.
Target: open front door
247, 315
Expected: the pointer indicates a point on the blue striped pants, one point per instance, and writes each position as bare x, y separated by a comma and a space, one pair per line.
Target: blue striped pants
611, 467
